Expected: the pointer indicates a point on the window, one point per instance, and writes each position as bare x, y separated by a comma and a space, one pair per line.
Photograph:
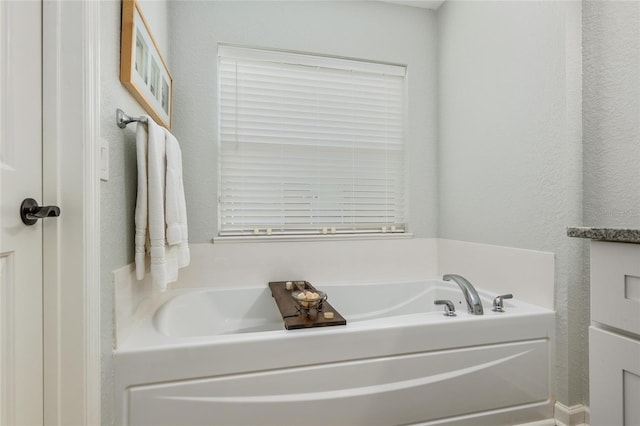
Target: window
309, 145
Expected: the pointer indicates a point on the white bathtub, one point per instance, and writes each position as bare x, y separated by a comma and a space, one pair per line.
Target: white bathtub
222, 357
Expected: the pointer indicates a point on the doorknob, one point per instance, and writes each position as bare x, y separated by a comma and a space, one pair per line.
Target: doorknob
30, 211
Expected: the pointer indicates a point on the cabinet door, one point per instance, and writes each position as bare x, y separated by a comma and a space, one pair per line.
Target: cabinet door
614, 382
615, 285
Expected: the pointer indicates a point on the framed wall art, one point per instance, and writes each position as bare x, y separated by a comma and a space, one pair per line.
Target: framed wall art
143, 70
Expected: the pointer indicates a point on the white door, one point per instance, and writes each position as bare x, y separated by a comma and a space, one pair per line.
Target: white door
21, 374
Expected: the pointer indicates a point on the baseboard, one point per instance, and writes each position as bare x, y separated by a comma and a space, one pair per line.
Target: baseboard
576, 415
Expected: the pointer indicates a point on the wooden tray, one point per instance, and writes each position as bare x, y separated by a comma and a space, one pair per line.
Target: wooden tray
293, 318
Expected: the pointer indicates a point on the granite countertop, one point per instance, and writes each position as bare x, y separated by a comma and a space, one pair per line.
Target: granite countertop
605, 234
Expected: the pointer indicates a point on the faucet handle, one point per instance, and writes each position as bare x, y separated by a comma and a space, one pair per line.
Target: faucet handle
498, 305
449, 307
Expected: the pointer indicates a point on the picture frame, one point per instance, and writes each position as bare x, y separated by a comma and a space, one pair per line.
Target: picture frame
143, 70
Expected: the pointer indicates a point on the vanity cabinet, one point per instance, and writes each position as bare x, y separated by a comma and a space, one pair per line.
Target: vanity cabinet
614, 335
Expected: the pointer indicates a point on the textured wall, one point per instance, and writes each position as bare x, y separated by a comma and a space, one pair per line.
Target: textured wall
611, 110
510, 146
367, 30
611, 114
118, 195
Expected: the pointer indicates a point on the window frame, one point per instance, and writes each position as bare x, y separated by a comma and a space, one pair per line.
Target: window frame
318, 61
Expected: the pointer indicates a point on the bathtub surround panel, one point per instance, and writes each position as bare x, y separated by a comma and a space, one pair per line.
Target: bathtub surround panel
241, 265
319, 262
382, 391
527, 274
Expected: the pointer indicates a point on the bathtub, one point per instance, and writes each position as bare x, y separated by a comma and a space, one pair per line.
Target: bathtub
222, 357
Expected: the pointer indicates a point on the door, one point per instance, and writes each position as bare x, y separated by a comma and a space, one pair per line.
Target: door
21, 371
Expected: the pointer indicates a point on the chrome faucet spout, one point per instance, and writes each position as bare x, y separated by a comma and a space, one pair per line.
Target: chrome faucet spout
474, 305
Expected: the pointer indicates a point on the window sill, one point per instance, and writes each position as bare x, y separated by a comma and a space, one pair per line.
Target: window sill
314, 238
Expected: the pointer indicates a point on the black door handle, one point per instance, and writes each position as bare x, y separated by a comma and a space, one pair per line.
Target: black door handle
30, 211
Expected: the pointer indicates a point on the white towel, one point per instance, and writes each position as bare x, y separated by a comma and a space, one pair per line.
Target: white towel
141, 202
175, 206
156, 168
150, 217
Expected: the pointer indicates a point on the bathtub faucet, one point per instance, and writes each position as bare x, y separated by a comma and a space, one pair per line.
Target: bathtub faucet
474, 305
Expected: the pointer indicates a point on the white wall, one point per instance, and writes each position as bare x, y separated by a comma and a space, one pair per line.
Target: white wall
156, 12
117, 198
611, 41
611, 114
365, 30
510, 147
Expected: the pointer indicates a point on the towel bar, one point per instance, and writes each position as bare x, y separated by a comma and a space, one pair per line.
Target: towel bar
123, 119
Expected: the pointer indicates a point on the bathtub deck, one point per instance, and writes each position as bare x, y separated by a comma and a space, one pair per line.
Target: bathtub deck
292, 317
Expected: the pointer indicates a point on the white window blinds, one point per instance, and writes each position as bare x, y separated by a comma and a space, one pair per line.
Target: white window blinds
309, 145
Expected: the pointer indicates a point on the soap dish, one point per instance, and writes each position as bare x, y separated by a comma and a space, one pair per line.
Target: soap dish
309, 299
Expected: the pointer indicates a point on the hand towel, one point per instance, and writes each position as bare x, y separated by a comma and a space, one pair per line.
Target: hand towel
141, 200
175, 205
162, 272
